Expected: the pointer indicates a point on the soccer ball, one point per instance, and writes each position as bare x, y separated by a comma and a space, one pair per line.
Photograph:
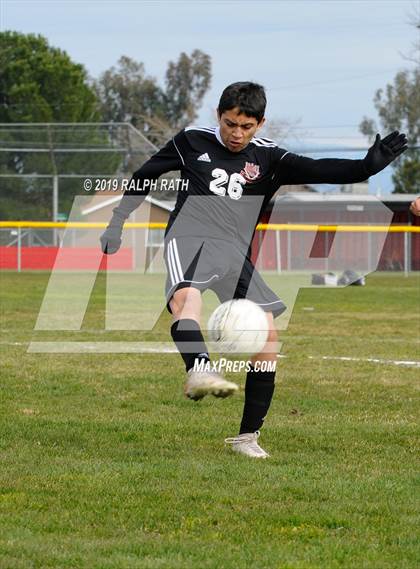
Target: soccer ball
238, 326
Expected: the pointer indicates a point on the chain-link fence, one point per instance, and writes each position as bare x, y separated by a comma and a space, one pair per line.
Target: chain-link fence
275, 248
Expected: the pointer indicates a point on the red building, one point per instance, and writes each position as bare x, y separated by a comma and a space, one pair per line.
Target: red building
400, 250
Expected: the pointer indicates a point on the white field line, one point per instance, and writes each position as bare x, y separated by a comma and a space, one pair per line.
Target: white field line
284, 339
164, 348
369, 360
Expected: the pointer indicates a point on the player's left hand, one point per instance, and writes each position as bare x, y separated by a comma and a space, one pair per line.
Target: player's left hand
415, 207
384, 151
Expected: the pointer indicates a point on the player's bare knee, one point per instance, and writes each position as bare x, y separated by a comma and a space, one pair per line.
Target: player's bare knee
173, 305
186, 303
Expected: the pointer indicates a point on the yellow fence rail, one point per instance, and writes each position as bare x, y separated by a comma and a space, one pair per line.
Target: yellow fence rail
16, 237
260, 226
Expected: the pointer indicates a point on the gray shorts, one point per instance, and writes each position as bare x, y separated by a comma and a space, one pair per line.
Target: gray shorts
218, 265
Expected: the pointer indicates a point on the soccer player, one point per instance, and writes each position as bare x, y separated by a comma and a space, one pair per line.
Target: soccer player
232, 175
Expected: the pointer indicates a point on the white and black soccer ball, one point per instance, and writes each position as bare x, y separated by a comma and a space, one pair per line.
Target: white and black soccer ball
238, 326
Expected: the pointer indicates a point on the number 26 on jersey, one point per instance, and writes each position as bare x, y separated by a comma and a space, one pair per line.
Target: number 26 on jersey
234, 186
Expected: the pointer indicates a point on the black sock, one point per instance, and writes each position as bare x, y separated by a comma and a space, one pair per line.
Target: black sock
259, 389
184, 332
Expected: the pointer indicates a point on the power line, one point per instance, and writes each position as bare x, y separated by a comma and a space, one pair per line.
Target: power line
329, 81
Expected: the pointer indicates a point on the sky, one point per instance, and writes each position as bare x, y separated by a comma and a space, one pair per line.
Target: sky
321, 61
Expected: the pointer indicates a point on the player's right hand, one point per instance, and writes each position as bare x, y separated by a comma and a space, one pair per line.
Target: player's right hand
111, 239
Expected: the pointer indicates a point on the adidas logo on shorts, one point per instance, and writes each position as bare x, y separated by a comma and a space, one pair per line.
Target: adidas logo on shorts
204, 157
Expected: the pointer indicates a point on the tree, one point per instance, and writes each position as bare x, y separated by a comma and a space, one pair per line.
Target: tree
281, 130
398, 107
187, 81
414, 21
128, 94
406, 178
40, 83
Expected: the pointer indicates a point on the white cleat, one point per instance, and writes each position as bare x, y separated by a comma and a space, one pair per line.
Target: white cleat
202, 383
247, 444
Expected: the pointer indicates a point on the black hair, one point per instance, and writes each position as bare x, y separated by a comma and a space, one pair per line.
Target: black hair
248, 97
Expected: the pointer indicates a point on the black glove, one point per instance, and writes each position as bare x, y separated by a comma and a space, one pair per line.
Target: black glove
384, 151
111, 238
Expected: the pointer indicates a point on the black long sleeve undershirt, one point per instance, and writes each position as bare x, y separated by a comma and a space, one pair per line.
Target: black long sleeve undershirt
288, 169
295, 169
166, 160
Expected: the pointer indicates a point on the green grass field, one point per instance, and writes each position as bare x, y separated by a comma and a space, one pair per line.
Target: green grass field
104, 464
